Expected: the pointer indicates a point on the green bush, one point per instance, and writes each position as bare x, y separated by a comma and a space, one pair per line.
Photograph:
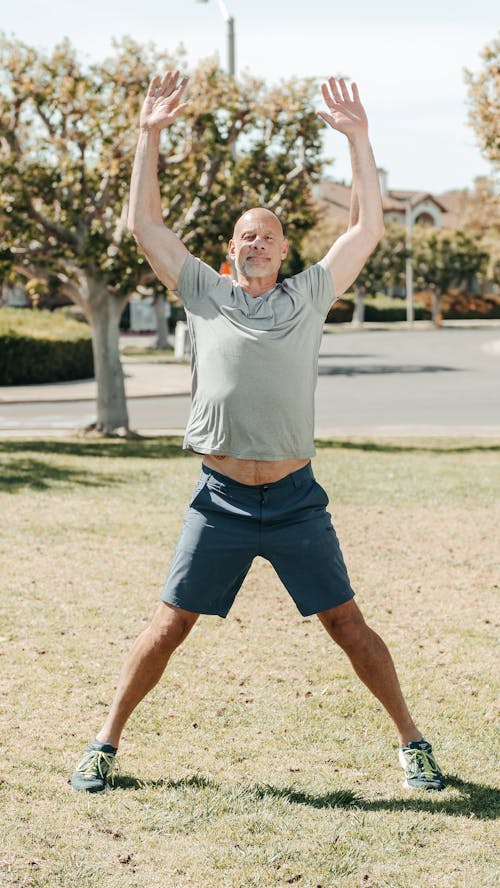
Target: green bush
387, 314
382, 309
341, 312
387, 309
40, 346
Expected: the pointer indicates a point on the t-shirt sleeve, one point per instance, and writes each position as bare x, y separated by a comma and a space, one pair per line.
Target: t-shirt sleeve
315, 283
197, 281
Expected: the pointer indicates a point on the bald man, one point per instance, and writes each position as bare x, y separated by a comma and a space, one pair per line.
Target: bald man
255, 345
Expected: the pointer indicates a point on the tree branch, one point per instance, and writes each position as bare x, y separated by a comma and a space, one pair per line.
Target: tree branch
50, 227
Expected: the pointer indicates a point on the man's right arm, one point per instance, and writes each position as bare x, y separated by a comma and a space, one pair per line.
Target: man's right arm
164, 251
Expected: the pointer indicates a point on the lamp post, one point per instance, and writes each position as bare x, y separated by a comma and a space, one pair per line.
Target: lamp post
228, 18
409, 268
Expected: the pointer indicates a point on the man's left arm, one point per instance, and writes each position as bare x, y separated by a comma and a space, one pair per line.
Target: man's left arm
347, 256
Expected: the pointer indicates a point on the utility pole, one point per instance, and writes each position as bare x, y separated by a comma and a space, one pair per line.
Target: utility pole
231, 41
409, 267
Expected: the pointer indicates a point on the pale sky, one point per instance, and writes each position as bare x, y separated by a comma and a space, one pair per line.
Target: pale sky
407, 59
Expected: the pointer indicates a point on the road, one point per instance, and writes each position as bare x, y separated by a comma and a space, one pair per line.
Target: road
371, 381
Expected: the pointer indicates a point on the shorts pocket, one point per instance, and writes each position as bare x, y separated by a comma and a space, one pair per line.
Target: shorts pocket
320, 496
200, 487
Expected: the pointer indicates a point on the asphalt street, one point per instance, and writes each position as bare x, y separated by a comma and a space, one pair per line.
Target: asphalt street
390, 381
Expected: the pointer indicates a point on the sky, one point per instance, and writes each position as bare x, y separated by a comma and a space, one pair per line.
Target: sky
407, 59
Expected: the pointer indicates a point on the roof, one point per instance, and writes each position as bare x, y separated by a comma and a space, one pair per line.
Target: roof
335, 199
415, 198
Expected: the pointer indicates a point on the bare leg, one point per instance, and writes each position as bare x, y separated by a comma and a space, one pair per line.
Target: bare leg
145, 665
372, 662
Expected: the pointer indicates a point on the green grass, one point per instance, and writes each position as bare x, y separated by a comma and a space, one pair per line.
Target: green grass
150, 355
41, 324
259, 760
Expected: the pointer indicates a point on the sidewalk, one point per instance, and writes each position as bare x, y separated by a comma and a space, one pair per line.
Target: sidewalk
142, 380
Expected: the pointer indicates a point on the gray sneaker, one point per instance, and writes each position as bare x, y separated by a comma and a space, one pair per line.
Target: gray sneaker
95, 767
421, 768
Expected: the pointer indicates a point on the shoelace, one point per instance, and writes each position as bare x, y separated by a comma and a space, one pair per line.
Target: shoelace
97, 764
422, 762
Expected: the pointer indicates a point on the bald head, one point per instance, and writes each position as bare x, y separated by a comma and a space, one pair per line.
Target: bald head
258, 216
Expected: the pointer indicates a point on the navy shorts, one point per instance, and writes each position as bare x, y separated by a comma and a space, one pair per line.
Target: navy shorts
229, 523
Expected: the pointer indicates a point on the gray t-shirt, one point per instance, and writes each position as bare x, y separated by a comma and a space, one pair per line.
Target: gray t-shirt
254, 362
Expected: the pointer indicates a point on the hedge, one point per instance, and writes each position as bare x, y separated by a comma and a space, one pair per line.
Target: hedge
382, 311
39, 346
342, 312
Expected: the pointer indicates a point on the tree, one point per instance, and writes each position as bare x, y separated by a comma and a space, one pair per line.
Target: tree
385, 268
443, 259
484, 99
67, 140
478, 210
67, 136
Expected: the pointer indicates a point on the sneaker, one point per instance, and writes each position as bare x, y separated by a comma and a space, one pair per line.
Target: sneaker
422, 770
95, 767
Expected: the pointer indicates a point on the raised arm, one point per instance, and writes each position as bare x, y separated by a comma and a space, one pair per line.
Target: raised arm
164, 250
347, 256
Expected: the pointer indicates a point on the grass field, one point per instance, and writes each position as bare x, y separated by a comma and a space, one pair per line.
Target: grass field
259, 760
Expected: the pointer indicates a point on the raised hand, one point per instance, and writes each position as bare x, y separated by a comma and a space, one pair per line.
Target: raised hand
161, 105
345, 113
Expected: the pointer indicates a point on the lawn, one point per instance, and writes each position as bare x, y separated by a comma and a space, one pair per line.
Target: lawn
259, 760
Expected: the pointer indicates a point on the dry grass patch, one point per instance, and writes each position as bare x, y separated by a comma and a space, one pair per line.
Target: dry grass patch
259, 760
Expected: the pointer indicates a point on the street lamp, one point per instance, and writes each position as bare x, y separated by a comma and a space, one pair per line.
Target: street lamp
409, 267
226, 15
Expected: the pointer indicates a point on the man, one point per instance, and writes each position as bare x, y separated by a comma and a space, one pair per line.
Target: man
255, 346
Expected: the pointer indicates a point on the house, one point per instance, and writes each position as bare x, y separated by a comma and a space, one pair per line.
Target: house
426, 209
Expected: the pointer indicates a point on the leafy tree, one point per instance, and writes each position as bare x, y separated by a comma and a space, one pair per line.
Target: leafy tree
446, 259
484, 99
67, 139
385, 268
479, 212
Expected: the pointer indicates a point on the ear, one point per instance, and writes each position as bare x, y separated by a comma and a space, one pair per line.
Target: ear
284, 247
231, 249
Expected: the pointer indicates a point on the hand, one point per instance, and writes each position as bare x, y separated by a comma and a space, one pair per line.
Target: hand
161, 105
344, 114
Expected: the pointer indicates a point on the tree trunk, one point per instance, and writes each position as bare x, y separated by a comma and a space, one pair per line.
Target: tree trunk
358, 316
104, 312
437, 317
161, 321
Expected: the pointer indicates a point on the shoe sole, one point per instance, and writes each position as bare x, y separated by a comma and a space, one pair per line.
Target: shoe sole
92, 790
425, 788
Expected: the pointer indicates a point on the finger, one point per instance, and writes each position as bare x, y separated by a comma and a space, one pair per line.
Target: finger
179, 110
153, 85
334, 88
182, 86
168, 82
355, 92
344, 90
329, 99
326, 117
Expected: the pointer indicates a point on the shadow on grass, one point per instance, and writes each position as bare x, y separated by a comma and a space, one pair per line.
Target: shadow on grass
167, 447
125, 781
35, 474
114, 448
22, 463
474, 799
423, 447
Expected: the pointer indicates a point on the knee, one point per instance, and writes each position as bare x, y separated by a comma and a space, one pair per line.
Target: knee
346, 625
170, 626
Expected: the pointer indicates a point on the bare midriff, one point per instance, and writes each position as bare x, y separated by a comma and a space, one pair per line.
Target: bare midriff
253, 471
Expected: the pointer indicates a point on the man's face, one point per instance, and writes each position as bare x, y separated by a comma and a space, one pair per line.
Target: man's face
258, 246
